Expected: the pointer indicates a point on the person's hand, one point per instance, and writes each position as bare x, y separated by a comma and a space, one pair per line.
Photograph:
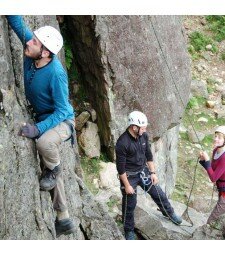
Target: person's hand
29, 131
154, 179
203, 156
129, 190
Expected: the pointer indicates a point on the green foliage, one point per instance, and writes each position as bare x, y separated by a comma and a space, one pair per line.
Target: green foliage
91, 171
195, 55
199, 41
90, 165
68, 55
91, 168
112, 202
216, 24
208, 140
104, 157
211, 81
194, 102
210, 85
184, 136
69, 58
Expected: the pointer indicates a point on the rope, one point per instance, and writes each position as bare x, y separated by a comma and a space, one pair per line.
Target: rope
180, 225
125, 211
189, 198
147, 181
184, 105
178, 92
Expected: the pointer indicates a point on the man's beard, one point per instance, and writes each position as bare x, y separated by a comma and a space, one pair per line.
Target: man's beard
34, 56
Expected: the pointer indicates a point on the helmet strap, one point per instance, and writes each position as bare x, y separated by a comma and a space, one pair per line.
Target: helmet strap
138, 129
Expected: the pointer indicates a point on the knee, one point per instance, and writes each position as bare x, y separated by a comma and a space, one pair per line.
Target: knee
43, 145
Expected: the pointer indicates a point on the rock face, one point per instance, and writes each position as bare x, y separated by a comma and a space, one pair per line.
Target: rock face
132, 62
89, 140
26, 212
135, 63
127, 63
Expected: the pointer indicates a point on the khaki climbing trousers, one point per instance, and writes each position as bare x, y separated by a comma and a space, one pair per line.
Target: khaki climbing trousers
48, 148
218, 210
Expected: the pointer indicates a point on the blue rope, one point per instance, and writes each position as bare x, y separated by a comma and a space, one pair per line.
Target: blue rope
146, 181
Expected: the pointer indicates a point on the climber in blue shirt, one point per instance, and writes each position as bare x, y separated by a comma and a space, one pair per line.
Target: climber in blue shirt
46, 89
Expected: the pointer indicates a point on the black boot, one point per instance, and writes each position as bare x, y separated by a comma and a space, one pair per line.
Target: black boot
64, 227
129, 235
49, 179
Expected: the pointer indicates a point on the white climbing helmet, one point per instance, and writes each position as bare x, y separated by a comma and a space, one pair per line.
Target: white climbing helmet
50, 38
220, 129
137, 118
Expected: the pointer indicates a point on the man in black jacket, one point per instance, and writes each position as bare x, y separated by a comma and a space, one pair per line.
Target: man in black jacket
135, 166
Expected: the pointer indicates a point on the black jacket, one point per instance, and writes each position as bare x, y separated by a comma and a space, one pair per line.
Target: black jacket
131, 153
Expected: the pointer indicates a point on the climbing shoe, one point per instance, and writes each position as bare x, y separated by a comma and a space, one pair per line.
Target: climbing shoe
175, 219
129, 235
64, 227
49, 179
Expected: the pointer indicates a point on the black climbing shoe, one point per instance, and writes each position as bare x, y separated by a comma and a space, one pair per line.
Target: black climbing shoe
49, 179
64, 227
129, 235
175, 218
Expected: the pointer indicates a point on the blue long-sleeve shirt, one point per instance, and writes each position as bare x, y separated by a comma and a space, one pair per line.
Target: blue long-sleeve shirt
46, 88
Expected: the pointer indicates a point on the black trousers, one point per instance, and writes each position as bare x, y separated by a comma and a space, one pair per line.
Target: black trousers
129, 201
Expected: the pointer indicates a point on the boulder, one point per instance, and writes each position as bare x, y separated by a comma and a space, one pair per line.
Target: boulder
89, 140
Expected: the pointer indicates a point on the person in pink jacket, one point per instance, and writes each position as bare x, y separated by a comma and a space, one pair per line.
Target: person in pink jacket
216, 171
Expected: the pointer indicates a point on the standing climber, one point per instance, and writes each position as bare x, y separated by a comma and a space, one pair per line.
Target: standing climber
135, 166
46, 90
216, 171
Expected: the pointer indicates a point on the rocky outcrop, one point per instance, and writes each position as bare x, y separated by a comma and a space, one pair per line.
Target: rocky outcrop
149, 222
26, 212
132, 62
135, 63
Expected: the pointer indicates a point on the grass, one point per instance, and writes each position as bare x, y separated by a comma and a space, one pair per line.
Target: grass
216, 24
211, 81
111, 203
197, 44
190, 118
188, 152
91, 170
196, 102
211, 84
207, 141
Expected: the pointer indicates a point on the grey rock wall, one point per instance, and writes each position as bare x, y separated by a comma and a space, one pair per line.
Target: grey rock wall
135, 63
25, 211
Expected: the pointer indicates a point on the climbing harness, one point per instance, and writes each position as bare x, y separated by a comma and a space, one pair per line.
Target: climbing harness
146, 181
73, 132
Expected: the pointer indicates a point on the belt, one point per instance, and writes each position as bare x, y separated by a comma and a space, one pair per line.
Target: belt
129, 173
